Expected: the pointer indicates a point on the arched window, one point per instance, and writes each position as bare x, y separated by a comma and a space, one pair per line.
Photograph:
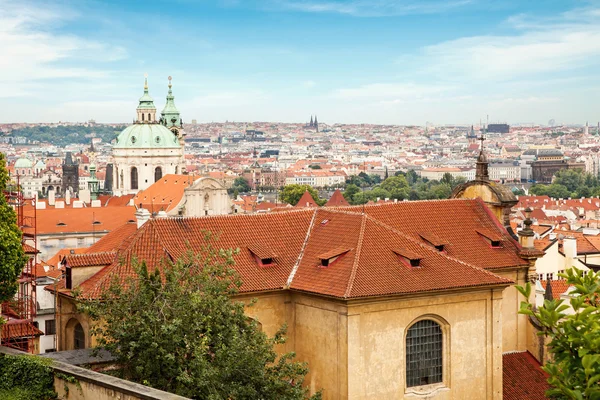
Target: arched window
424, 344
134, 178
149, 119
143, 116
78, 337
157, 173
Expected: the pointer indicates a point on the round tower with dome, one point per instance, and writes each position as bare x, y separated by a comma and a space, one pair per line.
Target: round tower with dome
148, 149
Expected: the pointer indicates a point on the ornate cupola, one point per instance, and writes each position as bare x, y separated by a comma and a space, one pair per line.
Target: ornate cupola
146, 111
170, 116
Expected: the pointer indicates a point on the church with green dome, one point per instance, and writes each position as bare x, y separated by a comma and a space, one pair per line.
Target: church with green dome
149, 148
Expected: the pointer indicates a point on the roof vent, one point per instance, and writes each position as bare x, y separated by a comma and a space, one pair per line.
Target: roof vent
492, 238
408, 258
434, 240
263, 255
331, 256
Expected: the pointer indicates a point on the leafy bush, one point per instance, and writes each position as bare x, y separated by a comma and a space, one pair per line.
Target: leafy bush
26, 377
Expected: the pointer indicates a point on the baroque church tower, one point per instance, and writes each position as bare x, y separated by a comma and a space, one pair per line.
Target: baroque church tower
148, 149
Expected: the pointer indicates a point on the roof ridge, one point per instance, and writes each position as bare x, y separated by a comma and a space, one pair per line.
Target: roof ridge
361, 236
408, 237
288, 284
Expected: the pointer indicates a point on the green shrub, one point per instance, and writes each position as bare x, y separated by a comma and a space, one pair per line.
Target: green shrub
26, 377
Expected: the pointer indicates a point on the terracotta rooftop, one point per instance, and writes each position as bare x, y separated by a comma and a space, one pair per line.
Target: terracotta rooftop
368, 266
523, 377
69, 220
337, 199
559, 286
91, 259
112, 239
16, 329
164, 194
306, 201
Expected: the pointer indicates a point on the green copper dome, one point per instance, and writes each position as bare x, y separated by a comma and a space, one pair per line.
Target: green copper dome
146, 136
23, 163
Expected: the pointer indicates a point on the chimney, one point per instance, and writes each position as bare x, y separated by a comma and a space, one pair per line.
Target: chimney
570, 247
552, 236
51, 197
142, 215
85, 196
526, 235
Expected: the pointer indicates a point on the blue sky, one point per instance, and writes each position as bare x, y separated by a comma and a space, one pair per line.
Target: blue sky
352, 61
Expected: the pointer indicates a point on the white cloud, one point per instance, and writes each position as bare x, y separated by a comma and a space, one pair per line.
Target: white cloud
368, 8
309, 84
536, 47
32, 51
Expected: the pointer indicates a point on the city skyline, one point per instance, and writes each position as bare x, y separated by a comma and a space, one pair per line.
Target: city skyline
380, 62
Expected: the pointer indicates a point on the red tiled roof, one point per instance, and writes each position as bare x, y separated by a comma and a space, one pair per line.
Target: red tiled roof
113, 239
91, 259
164, 194
306, 201
370, 267
337, 199
45, 269
523, 377
559, 286
30, 249
63, 220
56, 258
18, 329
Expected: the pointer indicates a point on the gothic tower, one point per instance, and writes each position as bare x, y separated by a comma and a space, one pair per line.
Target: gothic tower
70, 175
316, 124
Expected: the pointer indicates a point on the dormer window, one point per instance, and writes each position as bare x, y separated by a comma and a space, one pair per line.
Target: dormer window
328, 258
263, 255
408, 258
434, 240
493, 239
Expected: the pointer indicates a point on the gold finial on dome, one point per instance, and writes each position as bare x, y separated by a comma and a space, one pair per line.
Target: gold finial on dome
170, 78
146, 80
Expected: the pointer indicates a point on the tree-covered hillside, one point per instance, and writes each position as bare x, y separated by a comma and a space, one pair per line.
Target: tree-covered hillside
67, 134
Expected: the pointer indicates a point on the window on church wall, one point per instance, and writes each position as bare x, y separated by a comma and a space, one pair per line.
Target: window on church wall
143, 115
134, 178
78, 337
157, 174
424, 348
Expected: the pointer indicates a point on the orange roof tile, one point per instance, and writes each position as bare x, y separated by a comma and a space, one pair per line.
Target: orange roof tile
337, 199
306, 201
91, 259
369, 267
523, 377
97, 219
559, 287
18, 329
164, 194
112, 240
62, 253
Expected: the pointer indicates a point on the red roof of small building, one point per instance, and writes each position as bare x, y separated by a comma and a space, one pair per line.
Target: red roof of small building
337, 199
523, 377
306, 201
559, 287
19, 329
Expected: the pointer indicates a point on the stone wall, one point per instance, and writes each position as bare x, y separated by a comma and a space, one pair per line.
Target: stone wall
76, 383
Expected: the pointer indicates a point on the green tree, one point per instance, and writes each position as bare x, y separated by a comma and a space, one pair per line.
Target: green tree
179, 330
366, 178
241, 185
412, 177
12, 255
291, 194
350, 191
574, 337
572, 179
397, 186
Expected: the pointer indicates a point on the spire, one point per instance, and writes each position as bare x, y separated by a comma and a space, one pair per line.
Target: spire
311, 121
69, 158
316, 124
548, 295
481, 172
170, 116
146, 111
